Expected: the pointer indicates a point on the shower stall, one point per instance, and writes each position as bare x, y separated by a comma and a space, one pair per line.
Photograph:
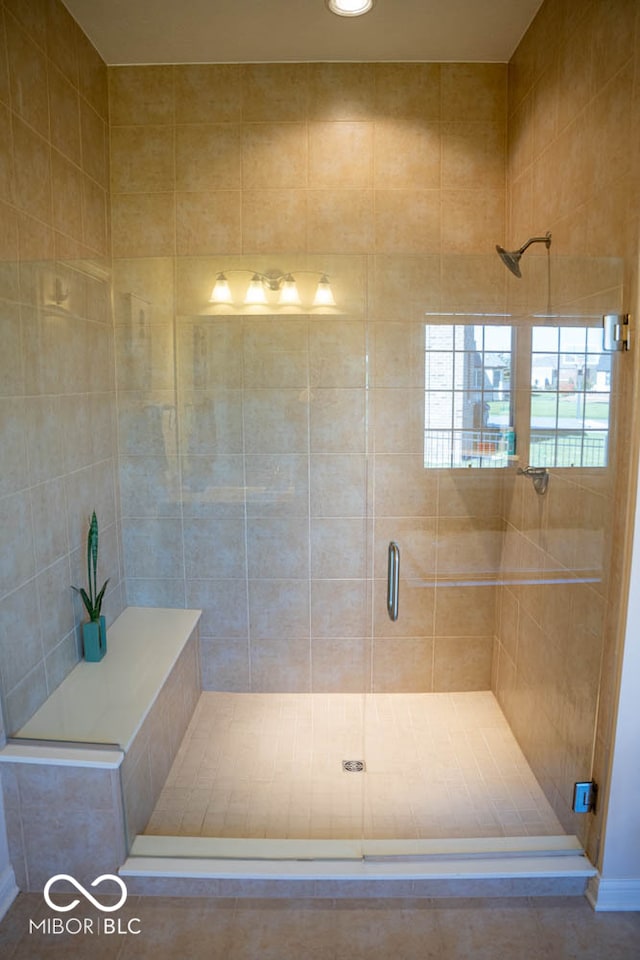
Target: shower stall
402, 635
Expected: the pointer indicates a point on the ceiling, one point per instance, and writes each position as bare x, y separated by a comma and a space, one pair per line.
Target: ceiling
254, 31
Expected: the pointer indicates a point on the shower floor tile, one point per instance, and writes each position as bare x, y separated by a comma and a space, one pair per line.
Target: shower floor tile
270, 765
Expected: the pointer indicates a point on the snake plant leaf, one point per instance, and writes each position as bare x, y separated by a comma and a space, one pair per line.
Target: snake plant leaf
98, 603
92, 554
86, 600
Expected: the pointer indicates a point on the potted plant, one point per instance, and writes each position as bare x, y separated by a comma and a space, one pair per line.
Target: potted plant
94, 633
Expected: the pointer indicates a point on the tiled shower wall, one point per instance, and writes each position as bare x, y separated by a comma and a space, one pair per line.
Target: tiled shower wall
574, 132
57, 390
267, 460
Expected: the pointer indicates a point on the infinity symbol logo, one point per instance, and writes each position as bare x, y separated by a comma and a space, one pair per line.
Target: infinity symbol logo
85, 893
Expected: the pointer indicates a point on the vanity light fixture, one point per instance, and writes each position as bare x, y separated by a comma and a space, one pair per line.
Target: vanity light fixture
263, 283
350, 8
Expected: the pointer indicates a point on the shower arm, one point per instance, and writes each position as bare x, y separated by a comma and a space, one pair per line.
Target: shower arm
546, 240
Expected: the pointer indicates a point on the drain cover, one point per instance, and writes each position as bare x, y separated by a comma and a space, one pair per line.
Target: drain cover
353, 766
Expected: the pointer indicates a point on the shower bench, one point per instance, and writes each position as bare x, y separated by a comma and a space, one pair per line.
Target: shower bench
82, 776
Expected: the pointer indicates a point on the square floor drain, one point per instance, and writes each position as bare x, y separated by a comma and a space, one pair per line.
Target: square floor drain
353, 766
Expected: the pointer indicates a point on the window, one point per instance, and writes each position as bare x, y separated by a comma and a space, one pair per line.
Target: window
470, 400
468, 406
570, 397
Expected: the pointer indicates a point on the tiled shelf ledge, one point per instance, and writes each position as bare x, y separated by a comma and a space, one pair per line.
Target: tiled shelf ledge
77, 792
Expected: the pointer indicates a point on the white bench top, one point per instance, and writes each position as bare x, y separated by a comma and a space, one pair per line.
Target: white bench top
106, 702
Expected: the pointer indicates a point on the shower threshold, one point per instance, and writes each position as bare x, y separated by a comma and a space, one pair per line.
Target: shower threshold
258, 803
486, 866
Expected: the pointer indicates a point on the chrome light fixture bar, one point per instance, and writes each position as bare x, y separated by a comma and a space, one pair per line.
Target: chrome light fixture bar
274, 281
350, 8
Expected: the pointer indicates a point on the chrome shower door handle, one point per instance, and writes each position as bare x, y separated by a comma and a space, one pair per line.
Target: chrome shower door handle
393, 580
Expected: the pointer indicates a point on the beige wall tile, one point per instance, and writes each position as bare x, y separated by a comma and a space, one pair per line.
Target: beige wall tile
403, 487
473, 155
4, 67
12, 434
274, 221
398, 355
273, 92
211, 421
340, 154
406, 154
208, 92
278, 609
208, 156
341, 91
64, 112
337, 354
462, 663
278, 548
398, 421
17, 564
340, 221
141, 95
337, 420
468, 217
208, 223
27, 78
473, 91
275, 353
62, 40
338, 548
142, 159
274, 156
95, 217
147, 280
144, 357
277, 486
276, 421
209, 353
339, 666
410, 90
143, 225
338, 608
416, 537
403, 285
338, 485
6, 155
416, 609
67, 183
402, 666
280, 665
407, 221
32, 173
465, 611
92, 76
469, 547
93, 136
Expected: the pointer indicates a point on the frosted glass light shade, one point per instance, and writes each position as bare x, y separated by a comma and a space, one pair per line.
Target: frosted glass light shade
324, 294
221, 292
255, 292
289, 296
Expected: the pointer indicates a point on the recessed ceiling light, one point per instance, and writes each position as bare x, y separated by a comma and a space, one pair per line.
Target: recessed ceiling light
350, 8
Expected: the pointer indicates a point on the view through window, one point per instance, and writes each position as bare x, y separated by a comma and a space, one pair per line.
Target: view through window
470, 400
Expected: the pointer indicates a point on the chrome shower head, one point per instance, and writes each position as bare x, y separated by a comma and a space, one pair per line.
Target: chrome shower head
511, 258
